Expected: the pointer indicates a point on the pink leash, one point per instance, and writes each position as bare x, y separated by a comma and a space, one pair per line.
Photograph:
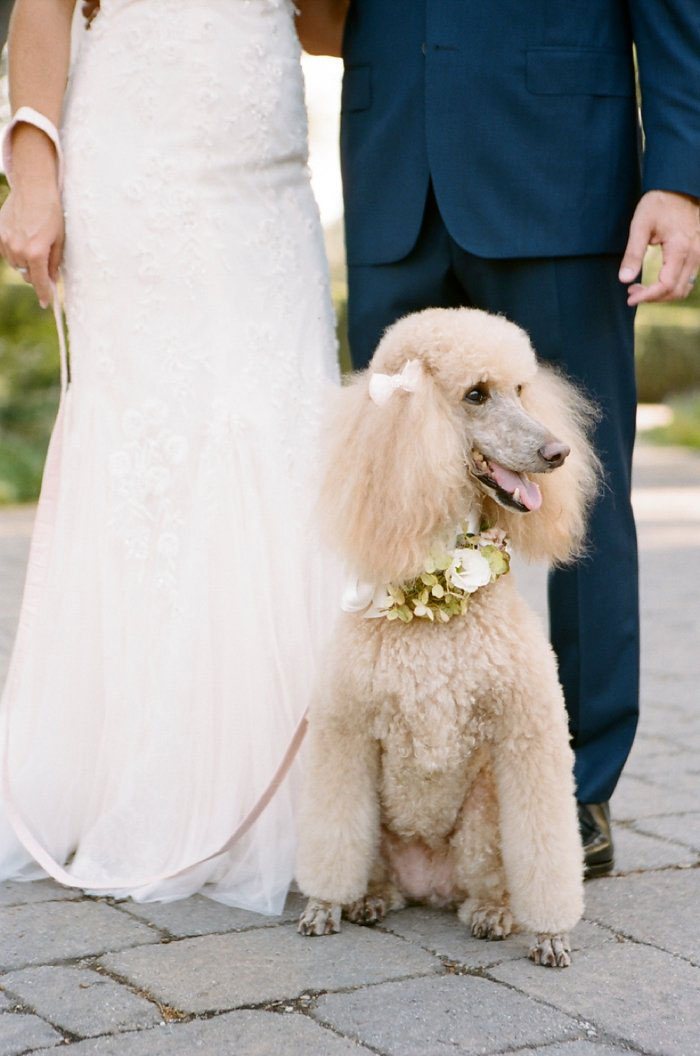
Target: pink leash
22, 830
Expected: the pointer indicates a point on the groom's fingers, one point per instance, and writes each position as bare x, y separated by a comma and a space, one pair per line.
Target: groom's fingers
688, 276
675, 252
640, 233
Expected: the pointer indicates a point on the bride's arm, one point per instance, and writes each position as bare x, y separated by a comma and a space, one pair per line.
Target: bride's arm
31, 220
320, 25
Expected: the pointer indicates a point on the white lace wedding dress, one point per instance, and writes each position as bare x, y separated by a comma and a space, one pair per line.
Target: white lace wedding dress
176, 599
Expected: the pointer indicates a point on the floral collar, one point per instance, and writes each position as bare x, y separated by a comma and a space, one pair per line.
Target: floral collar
479, 556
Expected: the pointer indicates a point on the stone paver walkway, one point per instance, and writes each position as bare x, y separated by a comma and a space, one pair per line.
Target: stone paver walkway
121, 979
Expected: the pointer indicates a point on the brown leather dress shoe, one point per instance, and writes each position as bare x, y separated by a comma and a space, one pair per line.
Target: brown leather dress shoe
594, 824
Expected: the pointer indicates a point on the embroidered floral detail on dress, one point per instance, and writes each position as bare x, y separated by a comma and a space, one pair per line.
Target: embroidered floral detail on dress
198, 291
145, 475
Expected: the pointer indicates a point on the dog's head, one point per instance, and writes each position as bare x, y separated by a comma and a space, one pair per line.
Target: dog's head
473, 420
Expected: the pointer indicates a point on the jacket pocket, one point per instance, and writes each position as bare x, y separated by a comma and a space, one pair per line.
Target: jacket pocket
357, 89
579, 71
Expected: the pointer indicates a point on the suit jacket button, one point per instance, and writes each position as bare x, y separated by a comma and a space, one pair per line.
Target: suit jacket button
424, 48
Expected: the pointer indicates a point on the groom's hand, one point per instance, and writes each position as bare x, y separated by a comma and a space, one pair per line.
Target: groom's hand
671, 221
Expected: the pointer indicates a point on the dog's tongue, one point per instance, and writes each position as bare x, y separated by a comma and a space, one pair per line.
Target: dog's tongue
508, 480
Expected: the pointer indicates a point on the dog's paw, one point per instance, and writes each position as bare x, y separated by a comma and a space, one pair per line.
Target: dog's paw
319, 918
552, 951
369, 910
492, 922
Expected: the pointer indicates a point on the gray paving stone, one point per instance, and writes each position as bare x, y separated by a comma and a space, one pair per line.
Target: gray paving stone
81, 1000
203, 916
20, 1032
661, 466
685, 785
571, 1048
639, 799
664, 769
245, 1033
442, 933
658, 908
218, 972
636, 851
636, 994
692, 742
670, 652
8, 625
681, 828
43, 932
663, 719
669, 694
445, 1014
657, 798
21, 893
651, 746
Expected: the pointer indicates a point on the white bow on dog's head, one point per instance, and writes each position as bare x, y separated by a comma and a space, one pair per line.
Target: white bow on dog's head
383, 386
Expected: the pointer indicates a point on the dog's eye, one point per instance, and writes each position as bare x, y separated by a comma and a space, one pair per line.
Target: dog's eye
518, 390
476, 395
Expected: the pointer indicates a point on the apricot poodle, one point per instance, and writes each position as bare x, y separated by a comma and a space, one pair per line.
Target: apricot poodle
439, 767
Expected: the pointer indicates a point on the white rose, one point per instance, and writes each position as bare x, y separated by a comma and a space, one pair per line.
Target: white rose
469, 570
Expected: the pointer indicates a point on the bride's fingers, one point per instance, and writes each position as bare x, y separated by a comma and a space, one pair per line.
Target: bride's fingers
13, 254
16, 261
55, 258
7, 252
39, 278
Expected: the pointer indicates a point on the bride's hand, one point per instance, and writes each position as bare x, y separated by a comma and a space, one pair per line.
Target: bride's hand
31, 220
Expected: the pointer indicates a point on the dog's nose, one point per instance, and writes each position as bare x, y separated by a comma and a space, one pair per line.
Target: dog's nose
554, 453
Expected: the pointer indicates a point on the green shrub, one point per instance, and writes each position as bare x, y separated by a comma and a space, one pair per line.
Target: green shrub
29, 388
668, 362
668, 351
684, 428
340, 301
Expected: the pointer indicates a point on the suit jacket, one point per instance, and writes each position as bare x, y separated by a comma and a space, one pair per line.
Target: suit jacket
524, 115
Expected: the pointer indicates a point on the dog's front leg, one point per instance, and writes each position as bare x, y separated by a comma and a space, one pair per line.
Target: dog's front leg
541, 845
339, 820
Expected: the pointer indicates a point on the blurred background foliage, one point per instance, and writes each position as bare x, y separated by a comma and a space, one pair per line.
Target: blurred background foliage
28, 387
668, 335
668, 370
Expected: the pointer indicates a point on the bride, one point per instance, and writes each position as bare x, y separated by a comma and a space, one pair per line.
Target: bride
176, 598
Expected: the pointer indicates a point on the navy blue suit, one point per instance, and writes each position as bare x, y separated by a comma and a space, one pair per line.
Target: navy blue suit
491, 157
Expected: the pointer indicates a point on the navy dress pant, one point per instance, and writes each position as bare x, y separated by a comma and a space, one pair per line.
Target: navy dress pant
575, 311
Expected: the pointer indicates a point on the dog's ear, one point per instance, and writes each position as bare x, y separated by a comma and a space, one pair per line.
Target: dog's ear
557, 531
394, 476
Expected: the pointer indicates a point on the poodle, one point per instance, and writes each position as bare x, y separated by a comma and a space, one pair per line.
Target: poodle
439, 768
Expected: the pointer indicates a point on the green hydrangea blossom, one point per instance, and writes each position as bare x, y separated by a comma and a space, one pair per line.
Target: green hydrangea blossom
435, 595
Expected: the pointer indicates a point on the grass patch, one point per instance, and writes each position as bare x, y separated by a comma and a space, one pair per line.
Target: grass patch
684, 428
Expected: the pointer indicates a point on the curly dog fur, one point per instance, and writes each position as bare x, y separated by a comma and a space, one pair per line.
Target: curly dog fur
439, 765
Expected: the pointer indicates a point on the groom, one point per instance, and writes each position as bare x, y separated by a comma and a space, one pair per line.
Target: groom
491, 158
